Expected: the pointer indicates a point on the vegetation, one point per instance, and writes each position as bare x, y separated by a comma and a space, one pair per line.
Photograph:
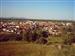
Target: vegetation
19, 48
38, 42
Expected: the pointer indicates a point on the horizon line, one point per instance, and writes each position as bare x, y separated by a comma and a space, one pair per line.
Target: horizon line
37, 18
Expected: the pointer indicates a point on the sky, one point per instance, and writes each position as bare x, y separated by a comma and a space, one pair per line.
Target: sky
38, 9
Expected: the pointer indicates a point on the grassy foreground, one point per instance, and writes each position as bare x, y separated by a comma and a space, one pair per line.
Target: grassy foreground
31, 49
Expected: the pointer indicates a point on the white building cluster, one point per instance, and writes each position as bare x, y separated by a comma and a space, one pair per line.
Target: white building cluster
54, 28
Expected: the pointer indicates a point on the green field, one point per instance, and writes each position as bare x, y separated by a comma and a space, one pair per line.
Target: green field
20, 48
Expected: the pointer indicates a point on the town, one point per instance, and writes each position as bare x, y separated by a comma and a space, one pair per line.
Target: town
30, 30
40, 37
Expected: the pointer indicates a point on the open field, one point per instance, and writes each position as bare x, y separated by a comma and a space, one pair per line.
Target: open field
30, 49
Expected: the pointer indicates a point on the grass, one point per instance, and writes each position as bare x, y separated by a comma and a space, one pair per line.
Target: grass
20, 48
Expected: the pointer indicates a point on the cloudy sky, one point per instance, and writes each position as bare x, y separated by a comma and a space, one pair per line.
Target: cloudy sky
38, 9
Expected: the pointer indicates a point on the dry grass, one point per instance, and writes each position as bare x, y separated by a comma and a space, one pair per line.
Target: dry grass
31, 49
